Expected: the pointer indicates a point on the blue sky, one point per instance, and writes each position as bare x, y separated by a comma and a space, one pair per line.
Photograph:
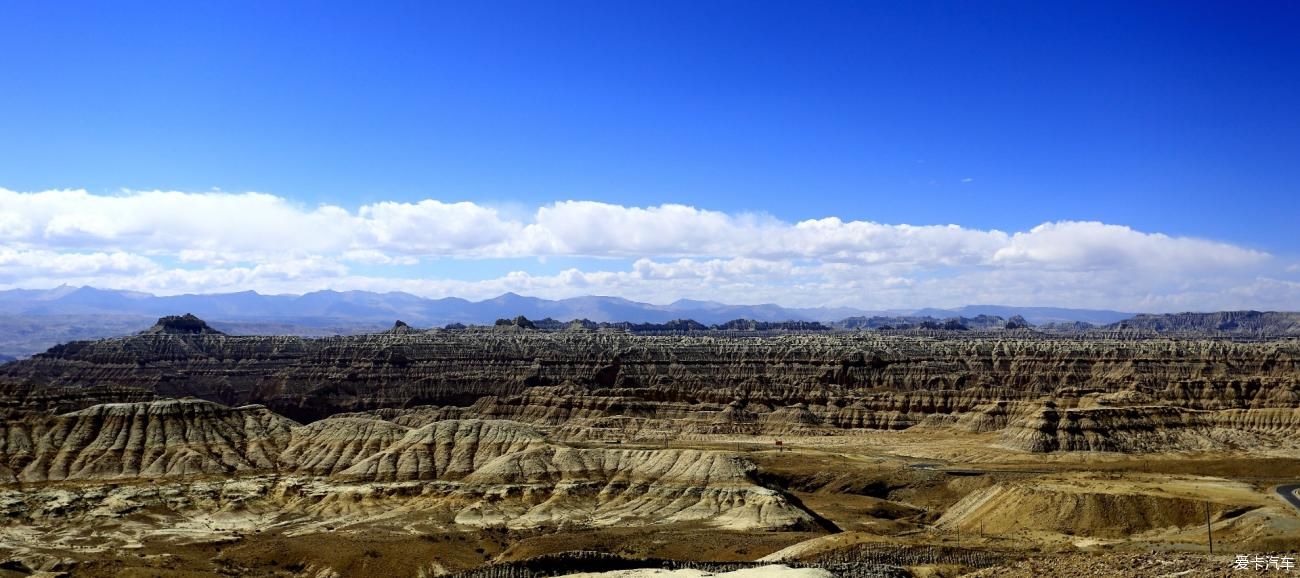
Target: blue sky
1174, 120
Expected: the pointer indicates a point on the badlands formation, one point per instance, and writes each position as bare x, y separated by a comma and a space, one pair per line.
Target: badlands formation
182, 451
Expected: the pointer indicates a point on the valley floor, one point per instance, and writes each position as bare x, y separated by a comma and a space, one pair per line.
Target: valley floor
934, 503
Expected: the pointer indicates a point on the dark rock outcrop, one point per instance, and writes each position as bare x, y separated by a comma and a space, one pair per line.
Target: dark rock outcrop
186, 324
401, 328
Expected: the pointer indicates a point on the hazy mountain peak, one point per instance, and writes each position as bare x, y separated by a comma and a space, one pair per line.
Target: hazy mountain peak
371, 307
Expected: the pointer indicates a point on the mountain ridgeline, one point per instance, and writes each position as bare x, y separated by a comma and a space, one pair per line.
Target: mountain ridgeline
32, 321
325, 307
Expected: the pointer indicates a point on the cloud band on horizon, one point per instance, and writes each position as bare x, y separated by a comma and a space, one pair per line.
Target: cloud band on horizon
169, 242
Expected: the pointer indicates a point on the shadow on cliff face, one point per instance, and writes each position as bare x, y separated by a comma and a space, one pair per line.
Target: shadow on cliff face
825, 481
822, 523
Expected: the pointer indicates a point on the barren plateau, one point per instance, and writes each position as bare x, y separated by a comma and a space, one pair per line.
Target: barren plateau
182, 451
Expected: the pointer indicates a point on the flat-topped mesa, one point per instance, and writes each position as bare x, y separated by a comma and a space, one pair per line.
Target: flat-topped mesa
186, 324
845, 380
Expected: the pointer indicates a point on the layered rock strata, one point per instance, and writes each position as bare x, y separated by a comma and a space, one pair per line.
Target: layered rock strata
465, 472
845, 380
142, 440
1150, 429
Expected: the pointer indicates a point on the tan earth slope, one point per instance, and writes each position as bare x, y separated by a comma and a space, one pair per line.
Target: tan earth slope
143, 440
470, 453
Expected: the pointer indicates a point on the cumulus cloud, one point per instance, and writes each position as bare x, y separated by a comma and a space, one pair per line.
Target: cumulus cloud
17, 265
1097, 246
216, 227
432, 228
714, 269
373, 257
171, 242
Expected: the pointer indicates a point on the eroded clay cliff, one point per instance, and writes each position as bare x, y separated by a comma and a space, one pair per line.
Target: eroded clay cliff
845, 380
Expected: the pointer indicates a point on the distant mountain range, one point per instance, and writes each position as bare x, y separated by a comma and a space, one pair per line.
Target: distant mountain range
333, 307
31, 321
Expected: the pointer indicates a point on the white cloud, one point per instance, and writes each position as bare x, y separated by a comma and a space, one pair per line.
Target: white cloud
734, 281
714, 270
433, 228
1091, 246
373, 257
19, 265
224, 227
171, 242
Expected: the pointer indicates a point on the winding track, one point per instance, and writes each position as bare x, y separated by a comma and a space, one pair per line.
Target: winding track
1288, 493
